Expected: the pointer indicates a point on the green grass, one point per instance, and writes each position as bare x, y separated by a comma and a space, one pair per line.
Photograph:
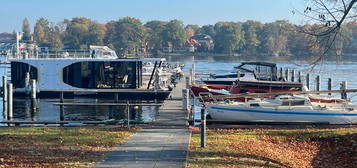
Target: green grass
272, 147
57, 147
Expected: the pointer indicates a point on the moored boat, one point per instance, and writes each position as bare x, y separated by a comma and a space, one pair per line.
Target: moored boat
283, 109
97, 71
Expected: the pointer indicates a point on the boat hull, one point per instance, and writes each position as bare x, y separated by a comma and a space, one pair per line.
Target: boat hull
241, 113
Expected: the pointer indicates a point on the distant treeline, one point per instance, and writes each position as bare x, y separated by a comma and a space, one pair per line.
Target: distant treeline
129, 35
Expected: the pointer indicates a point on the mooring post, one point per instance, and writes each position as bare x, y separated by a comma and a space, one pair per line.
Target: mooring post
33, 89
27, 79
128, 113
4, 92
281, 73
10, 101
61, 107
343, 90
287, 74
33, 95
292, 75
318, 83
308, 81
203, 128
299, 76
329, 85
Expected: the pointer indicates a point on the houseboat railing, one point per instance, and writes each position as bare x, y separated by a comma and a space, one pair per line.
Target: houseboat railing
62, 54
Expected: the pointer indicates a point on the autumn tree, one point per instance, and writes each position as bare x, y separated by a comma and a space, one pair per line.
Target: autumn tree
206, 29
252, 32
41, 31
275, 38
191, 30
174, 32
229, 37
126, 35
82, 32
154, 31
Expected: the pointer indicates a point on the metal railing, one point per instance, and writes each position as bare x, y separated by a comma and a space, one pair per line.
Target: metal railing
63, 54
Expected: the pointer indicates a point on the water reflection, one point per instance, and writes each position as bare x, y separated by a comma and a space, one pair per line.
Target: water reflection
48, 111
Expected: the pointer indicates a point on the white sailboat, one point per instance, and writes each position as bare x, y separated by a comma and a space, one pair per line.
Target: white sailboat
284, 109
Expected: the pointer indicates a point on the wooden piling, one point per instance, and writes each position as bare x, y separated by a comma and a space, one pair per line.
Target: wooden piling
203, 128
299, 77
343, 90
61, 107
33, 89
281, 73
27, 79
292, 75
318, 83
329, 85
287, 74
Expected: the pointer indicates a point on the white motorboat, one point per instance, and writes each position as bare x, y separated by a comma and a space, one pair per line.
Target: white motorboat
283, 109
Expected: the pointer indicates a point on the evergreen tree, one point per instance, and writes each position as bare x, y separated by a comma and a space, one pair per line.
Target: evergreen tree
26, 29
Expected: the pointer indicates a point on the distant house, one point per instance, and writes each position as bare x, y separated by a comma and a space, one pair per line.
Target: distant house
168, 48
205, 42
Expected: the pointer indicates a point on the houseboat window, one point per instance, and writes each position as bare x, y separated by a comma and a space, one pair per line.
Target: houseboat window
254, 105
18, 73
102, 75
293, 102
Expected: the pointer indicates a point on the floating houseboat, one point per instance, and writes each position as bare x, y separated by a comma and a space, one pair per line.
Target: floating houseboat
97, 71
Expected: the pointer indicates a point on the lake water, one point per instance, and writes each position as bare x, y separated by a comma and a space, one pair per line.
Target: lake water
49, 112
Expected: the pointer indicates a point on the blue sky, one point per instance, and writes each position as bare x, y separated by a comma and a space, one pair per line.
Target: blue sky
201, 12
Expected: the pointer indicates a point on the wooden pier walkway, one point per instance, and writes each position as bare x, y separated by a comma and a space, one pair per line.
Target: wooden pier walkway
164, 145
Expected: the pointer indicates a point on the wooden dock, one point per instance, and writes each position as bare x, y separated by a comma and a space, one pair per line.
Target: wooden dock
171, 112
166, 145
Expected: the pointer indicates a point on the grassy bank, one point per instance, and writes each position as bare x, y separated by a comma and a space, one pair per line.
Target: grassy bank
57, 147
297, 148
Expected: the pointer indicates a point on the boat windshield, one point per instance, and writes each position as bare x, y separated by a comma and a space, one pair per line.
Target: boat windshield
262, 71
